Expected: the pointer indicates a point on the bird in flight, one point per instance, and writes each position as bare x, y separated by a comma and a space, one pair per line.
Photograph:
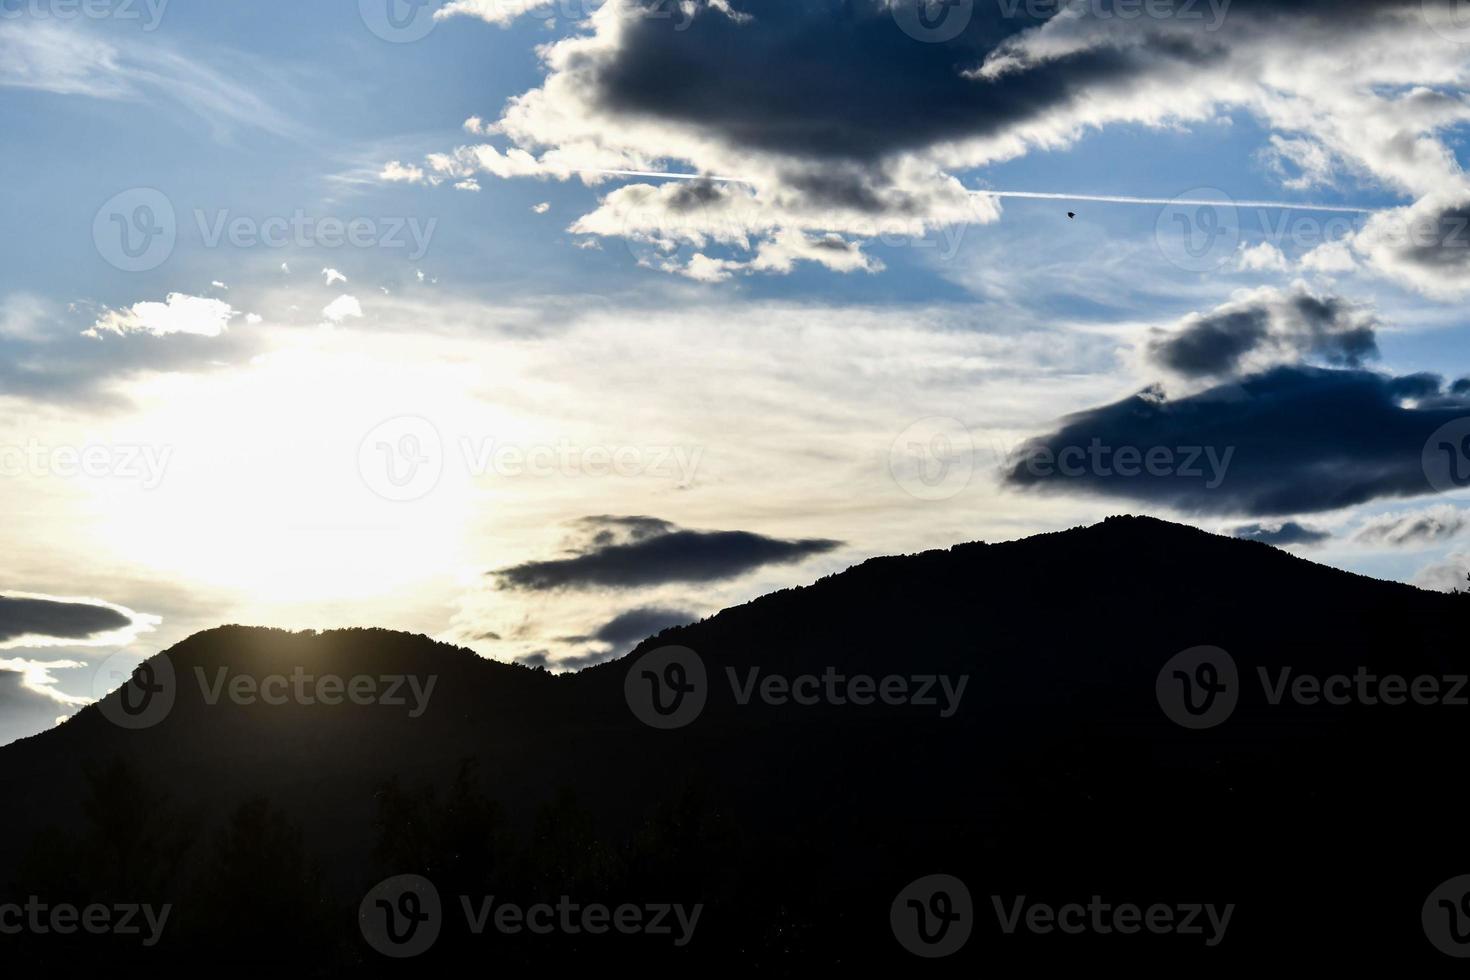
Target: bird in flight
1071, 214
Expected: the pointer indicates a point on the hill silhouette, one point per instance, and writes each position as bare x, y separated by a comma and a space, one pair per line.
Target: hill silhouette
1057, 752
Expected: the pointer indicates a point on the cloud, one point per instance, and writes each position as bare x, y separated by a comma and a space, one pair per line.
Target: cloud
1291, 440
1302, 164
1450, 574
498, 12
1426, 245
179, 313
628, 628
1264, 328
396, 171
29, 699
632, 552
32, 620
1330, 258
1282, 534
332, 276
64, 59
49, 356
1413, 529
342, 308
542, 658
889, 111
1264, 257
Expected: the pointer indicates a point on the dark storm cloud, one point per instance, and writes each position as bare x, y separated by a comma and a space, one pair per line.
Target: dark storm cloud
1213, 344
628, 552
628, 628
1291, 327
56, 619
605, 529
841, 80
1281, 535
834, 78
543, 659
1291, 440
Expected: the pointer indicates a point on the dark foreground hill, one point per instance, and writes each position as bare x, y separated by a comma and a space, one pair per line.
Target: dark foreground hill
1015, 716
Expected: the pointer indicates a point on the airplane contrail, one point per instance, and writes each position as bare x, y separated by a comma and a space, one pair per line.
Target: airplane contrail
1033, 195
1121, 199
660, 174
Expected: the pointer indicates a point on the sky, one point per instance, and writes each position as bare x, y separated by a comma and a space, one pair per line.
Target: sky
540, 327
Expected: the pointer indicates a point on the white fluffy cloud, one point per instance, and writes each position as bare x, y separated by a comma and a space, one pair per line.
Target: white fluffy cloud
396, 171
179, 313
1450, 574
342, 308
499, 12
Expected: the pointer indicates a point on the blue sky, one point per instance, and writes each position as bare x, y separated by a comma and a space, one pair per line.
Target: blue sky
839, 354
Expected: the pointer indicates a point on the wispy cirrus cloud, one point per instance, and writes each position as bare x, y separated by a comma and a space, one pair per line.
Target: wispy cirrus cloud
69, 59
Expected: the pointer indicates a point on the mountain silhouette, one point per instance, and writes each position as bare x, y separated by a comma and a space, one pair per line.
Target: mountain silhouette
1098, 730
